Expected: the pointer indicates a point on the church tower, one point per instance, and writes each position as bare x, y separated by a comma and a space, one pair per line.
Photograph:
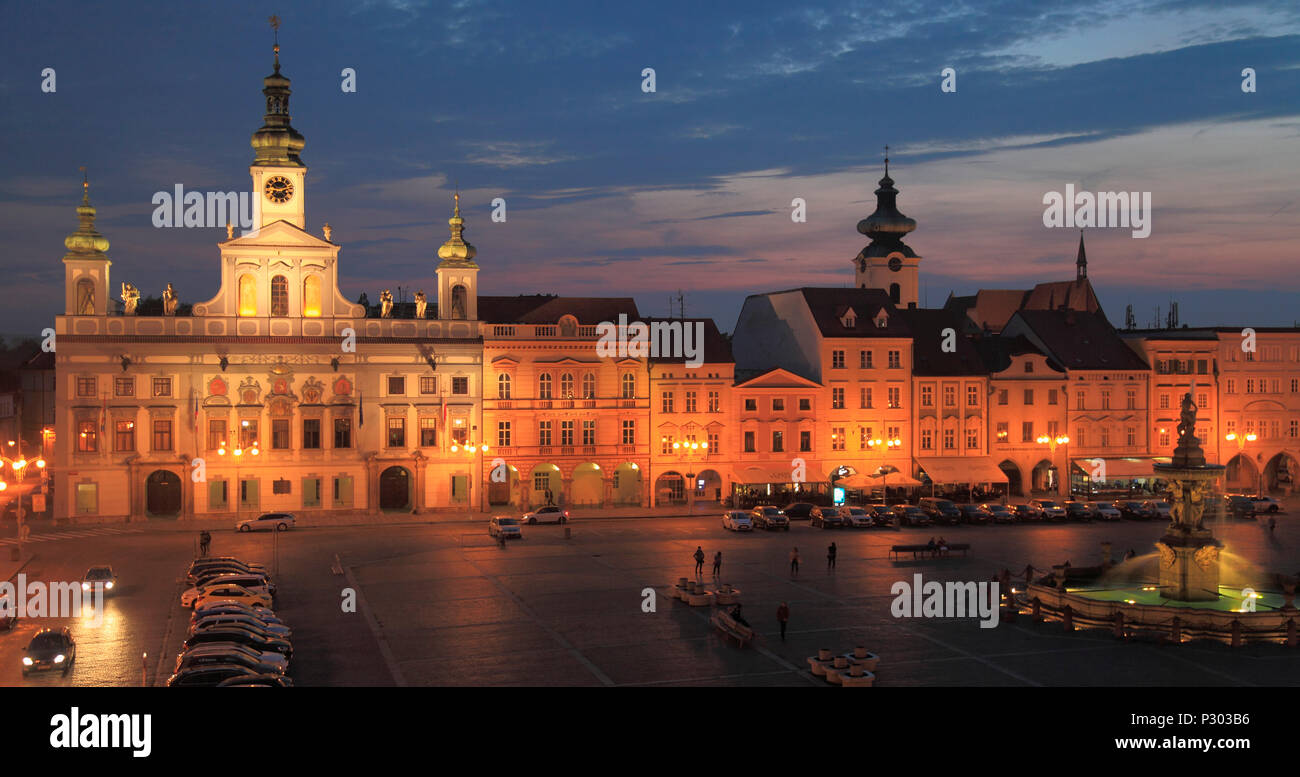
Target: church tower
85, 266
457, 272
278, 173
887, 262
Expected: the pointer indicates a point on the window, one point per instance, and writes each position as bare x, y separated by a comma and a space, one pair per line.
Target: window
1295, 385
837, 360
396, 386
1105, 400
895, 397
864, 397
927, 439
629, 385
805, 404
218, 494
1003, 431
247, 433
87, 493
837, 398
279, 296
1029, 396
162, 387
85, 297
162, 435
216, 433
1029, 367
749, 442
86, 386
247, 295
778, 405
503, 434
927, 396
428, 432
895, 360
1051, 396
396, 432
949, 439
588, 385
588, 432
343, 491
503, 386
311, 296
1202, 400
279, 433
751, 404
124, 386
713, 444
666, 402
837, 438
715, 402
805, 441
428, 384
1105, 436
972, 439
459, 302
1202, 366
566, 386
1130, 436
1002, 396
566, 433
1079, 397
1164, 401
311, 434
342, 432
778, 442
124, 441
629, 432
972, 396
1295, 429
544, 433
459, 436
311, 492
864, 435
666, 444
691, 402
1027, 431
460, 385
1130, 399
1232, 386
1052, 429
864, 360
949, 396
1164, 438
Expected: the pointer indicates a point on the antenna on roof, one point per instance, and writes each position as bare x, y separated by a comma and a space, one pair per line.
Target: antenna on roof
1130, 320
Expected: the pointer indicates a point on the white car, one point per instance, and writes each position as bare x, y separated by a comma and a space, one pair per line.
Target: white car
99, 574
225, 593
230, 619
547, 514
255, 583
1049, 509
858, 517
1105, 511
234, 608
737, 520
271, 662
1266, 504
504, 526
268, 522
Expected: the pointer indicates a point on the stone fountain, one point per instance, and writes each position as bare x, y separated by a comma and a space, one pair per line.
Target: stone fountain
1189, 553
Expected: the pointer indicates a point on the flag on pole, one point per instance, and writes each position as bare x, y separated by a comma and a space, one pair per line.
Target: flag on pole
361, 409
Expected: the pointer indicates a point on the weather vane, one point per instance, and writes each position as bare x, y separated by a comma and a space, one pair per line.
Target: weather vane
886, 159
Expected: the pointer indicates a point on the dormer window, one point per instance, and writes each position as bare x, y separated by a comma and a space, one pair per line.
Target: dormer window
882, 319
849, 320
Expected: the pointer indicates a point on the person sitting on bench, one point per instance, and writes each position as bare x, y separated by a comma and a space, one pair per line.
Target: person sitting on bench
737, 617
931, 547
943, 547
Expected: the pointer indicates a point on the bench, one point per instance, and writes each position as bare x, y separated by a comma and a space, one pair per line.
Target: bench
918, 550
731, 627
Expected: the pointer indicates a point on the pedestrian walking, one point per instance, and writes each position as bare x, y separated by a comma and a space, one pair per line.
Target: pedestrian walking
699, 560
717, 564
205, 540
794, 562
783, 618
830, 557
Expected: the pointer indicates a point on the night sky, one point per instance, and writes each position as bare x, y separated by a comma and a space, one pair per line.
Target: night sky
612, 191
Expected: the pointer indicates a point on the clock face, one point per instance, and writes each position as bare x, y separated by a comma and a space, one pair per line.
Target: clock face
895, 264
279, 189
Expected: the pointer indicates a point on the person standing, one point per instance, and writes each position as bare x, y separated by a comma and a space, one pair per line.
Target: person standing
699, 560
205, 541
717, 564
783, 618
830, 557
794, 562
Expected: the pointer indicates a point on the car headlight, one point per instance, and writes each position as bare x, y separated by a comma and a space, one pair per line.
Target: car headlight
27, 661
109, 585
58, 659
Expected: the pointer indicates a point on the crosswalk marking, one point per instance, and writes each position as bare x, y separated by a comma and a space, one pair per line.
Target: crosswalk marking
73, 534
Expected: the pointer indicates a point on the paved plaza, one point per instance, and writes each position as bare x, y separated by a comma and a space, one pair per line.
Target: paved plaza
442, 604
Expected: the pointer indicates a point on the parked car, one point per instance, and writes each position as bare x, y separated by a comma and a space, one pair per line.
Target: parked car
547, 514
1078, 511
912, 515
257, 640
769, 517
272, 661
208, 675
50, 649
1001, 513
857, 517
232, 619
8, 612
886, 515
1104, 511
257, 681
1239, 506
268, 522
236, 608
1027, 512
1266, 504
1159, 507
799, 510
226, 593
99, 574
504, 526
826, 518
737, 520
226, 564
941, 510
974, 514
254, 584
1051, 510
1133, 510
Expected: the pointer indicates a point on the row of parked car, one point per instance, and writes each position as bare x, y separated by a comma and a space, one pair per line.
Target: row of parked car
932, 510
234, 636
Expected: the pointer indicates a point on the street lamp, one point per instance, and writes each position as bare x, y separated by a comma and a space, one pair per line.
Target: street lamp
19, 468
686, 451
239, 452
1052, 443
470, 449
1241, 441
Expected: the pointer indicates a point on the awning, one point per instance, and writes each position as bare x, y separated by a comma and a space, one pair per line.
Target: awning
1121, 468
868, 480
962, 469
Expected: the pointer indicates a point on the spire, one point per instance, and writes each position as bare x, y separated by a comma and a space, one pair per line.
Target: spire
1081, 262
277, 143
887, 224
85, 243
457, 249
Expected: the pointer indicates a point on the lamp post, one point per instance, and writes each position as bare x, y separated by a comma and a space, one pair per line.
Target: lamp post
886, 446
1241, 440
471, 450
239, 450
686, 453
1052, 443
18, 468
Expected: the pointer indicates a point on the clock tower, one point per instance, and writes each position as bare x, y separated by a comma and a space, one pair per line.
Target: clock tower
278, 173
887, 262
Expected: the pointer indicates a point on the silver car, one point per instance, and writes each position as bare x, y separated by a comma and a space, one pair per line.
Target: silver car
268, 522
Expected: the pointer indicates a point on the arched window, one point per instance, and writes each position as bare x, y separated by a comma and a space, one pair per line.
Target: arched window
589, 385
503, 386
279, 296
544, 386
629, 386
247, 295
85, 297
311, 296
566, 386
894, 293
459, 298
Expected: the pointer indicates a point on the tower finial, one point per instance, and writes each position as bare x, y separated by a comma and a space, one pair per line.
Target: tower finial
456, 197
886, 159
85, 187
275, 27
1081, 261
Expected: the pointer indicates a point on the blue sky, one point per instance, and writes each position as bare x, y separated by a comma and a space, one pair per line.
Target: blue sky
611, 191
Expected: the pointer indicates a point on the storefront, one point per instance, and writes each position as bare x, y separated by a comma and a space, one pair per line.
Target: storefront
963, 478
1117, 477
